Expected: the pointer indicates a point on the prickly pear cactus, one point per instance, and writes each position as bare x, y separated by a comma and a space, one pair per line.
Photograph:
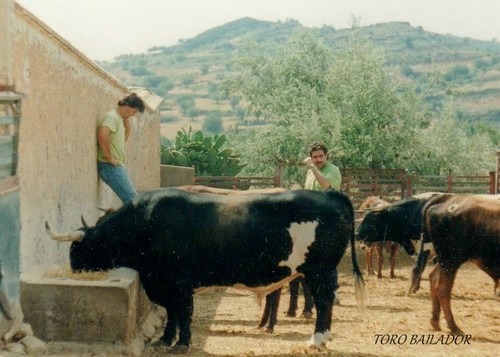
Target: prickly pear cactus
205, 153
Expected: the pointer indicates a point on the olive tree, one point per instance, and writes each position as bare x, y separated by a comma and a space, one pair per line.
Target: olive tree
345, 98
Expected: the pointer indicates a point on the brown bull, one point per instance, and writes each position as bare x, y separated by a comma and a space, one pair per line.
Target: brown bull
462, 228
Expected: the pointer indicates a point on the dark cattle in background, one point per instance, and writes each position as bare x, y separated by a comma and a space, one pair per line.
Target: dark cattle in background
180, 241
400, 222
461, 228
294, 295
270, 314
373, 202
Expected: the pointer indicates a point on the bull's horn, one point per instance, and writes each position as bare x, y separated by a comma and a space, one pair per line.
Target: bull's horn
85, 225
70, 237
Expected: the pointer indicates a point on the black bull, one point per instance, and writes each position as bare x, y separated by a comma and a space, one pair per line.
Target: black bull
179, 241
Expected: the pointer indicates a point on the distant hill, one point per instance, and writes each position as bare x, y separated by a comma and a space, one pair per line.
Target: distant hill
189, 74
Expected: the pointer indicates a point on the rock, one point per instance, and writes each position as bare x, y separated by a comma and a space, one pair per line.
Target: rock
16, 347
15, 322
34, 345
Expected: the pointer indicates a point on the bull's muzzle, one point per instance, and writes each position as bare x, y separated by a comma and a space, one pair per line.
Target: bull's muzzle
75, 236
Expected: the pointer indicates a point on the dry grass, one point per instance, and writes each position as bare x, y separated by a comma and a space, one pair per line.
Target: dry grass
87, 276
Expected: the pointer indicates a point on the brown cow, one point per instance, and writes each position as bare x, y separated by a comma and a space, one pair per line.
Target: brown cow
391, 247
462, 228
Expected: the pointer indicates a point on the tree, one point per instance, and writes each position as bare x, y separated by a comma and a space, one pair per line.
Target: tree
234, 101
185, 102
188, 79
344, 98
213, 123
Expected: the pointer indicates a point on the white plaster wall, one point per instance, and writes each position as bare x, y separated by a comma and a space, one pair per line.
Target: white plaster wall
66, 95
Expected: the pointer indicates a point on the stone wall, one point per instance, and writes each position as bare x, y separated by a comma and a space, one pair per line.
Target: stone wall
66, 94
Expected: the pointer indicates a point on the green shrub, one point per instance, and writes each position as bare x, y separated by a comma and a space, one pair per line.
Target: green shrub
205, 153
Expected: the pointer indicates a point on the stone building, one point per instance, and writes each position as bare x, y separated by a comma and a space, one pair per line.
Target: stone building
52, 174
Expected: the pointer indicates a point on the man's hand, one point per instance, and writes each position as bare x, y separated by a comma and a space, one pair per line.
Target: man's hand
103, 140
308, 162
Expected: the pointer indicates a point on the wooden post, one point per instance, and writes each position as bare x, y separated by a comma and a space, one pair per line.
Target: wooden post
492, 182
497, 186
408, 186
278, 175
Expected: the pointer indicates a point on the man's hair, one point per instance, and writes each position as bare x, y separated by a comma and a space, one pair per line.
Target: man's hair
318, 146
133, 101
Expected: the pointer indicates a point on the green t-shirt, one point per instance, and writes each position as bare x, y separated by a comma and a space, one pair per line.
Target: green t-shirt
332, 174
117, 137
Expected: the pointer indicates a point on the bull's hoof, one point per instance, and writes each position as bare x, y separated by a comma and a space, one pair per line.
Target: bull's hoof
318, 340
435, 325
456, 331
179, 349
267, 330
291, 314
307, 314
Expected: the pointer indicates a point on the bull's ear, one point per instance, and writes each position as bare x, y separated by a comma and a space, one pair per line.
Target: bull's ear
85, 225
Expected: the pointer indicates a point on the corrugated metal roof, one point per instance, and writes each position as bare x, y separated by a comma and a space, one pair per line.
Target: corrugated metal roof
151, 100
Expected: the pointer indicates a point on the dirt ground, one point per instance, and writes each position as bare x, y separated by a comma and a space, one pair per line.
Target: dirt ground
225, 320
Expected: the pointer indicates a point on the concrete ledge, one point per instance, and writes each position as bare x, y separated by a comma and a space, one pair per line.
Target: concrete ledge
173, 176
64, 309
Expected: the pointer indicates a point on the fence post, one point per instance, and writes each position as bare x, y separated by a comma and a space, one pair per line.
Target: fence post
492, 182
450, 182
497, 186
408, 186
278, 175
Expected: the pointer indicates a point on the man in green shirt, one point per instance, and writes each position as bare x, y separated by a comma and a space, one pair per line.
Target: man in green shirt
321, 176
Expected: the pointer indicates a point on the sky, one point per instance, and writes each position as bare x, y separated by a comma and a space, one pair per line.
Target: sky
104, 29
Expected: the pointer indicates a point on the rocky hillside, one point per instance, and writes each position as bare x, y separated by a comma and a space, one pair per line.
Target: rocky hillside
190, 73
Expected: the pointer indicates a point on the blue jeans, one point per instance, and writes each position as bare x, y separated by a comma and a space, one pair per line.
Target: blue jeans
117, 178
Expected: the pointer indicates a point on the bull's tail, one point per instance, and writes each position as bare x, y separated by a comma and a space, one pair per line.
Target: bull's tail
359, 282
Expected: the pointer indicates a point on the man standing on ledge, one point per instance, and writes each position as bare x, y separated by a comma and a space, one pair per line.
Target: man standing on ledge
321, 176
114, 130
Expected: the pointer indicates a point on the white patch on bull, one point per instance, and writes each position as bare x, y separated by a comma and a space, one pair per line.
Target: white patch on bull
318, 339
302, 234
452, 208
328, 335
